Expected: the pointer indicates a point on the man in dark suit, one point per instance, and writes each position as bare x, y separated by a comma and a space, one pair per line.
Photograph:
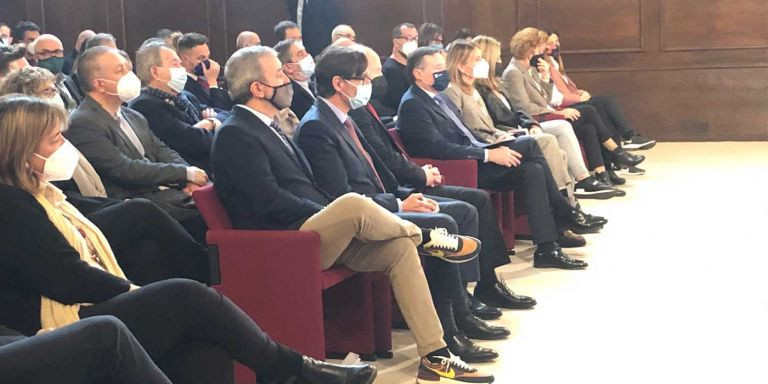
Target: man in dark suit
316, 19
171, 116
299, 66
203, 73
130, 159
490, 290
265, 182
343, 162
430, 127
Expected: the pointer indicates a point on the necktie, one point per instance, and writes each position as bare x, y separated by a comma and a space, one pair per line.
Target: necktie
458, 122
373, 112
282, 135
353, 133
203, 83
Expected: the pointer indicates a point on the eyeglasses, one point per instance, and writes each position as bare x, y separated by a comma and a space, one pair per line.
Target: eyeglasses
365, 80
46, 54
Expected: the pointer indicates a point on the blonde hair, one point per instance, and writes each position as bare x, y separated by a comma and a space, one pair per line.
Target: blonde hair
24, 121
490, 50
26, 81
458, 54
525, 41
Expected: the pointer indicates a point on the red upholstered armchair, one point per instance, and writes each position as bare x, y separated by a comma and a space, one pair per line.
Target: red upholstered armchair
275, 277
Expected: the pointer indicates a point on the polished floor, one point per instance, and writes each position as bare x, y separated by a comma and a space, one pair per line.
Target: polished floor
676, 291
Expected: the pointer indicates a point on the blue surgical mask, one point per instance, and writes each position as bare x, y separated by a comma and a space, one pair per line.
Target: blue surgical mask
442, 79
362, 96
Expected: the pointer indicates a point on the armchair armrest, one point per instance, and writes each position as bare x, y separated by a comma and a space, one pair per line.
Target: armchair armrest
462, 173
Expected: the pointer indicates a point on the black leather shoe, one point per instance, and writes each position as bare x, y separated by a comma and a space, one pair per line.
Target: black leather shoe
477, 329
556, 259
464, 348
482, 311
625, 158
318, 372
592, 219
499, 295
616, 179
606, 178
568, 239
578, 223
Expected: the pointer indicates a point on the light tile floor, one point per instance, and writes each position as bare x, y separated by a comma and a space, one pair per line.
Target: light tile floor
676, 291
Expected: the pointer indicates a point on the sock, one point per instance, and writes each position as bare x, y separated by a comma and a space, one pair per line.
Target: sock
425, 236
547, 247
442, 352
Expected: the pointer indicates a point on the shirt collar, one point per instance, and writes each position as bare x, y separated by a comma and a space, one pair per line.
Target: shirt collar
341, 115
264, 118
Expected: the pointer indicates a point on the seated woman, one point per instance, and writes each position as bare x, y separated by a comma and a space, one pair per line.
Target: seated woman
505, 117
58, 268
465, 64
527, 85
608, 106
149, 244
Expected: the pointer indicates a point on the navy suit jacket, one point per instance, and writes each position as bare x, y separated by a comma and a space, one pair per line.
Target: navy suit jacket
302, 100
338, 164
215, 98
260, 181
428, 132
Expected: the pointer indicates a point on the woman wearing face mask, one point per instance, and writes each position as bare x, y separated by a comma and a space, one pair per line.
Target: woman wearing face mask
503, 115
431, 34
61, 268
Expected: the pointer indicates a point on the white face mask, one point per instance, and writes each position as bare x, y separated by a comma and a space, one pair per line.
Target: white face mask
128, 88
61, 164
58, 101
6, 40
362, 97
307, 65
481, 69
178, 79
409, 47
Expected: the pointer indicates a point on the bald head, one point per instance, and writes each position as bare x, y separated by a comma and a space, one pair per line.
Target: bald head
82, 37
248, 39
343, 30
343, 42
46, 42
374, 61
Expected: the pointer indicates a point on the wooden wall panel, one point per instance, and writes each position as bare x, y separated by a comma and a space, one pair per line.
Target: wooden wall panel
715, 24
374, 20
61, 21
249, 15
594, 25
144, 17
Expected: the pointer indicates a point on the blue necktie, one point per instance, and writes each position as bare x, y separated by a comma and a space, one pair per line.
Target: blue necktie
458, 122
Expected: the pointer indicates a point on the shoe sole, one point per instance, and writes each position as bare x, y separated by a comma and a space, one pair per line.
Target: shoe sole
559, 266
639, 147
499, 305
447, 380
454, 260
597, 195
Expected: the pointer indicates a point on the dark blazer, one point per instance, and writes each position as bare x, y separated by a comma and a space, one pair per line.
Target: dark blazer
123, 170
215, 98
318, 20
171, 126
37, 260
302, 100
501, 115
428, 132
260, 182
339, 166
407, 172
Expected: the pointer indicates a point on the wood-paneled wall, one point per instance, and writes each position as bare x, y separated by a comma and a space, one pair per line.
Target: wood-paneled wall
683, 69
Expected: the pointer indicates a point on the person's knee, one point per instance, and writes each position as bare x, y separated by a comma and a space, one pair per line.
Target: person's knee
355, 202
184, 290
105, 331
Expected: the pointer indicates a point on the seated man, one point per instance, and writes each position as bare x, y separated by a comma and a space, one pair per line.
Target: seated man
49, 54
343, 162
343, 30
247, 39
287, 29
130, 159
170, 114
299, 66
265, 182
72, 82
404, 41
203, 73
430, 127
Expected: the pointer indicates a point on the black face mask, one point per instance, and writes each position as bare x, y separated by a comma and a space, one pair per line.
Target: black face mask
535, 60
380, 87
556, 53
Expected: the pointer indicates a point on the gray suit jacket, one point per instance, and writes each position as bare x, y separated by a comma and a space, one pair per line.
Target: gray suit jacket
474, 114
123, 170
528, 94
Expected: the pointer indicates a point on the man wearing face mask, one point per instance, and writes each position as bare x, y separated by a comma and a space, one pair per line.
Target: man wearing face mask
5, 35
203, 73
49, 54
430, 127
299, 66
168, 110
130, 159
405, 39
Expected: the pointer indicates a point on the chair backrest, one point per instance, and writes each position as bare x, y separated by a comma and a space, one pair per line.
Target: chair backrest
395, 135
210, 207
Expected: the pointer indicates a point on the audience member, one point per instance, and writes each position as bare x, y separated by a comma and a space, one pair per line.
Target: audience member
404, 41
343, 30
5, 34
101, 40
299, 66
202, 72
69, 60
72, 82
287, 29
12, 59
247, 39
25, 32
431, 34
49, 54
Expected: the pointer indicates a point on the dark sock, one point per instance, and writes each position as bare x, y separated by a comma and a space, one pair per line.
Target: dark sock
547, 247
425, 237
442, 352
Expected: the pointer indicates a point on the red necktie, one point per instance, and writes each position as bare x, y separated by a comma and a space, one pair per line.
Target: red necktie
373, 112
353, 132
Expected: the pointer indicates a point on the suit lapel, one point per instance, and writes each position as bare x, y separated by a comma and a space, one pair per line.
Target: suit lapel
114, 125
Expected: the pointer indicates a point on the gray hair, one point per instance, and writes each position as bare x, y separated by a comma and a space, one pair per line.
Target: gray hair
243, 68
283, 50
149, 56
98, 40
88, 65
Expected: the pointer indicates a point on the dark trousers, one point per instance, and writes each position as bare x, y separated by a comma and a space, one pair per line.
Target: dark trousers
611, 112
533, 180
96, 350
494, 250
166, 315
592, 131
149, 244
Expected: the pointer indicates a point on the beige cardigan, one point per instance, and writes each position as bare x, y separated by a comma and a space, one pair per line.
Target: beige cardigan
473, 113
